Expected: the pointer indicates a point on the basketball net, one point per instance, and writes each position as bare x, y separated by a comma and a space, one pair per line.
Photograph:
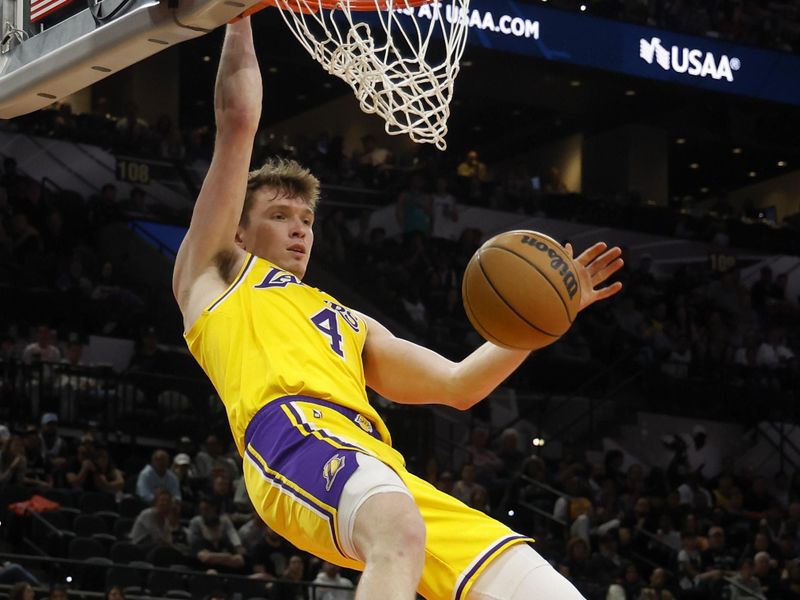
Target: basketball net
401, 57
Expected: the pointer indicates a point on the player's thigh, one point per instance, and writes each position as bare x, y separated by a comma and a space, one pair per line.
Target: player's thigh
520, 573
460, 541
377, 511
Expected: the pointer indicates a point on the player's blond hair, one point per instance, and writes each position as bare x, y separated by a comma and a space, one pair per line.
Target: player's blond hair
287, 177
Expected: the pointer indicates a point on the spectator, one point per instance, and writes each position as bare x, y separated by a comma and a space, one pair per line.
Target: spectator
414, 208
21, 591
290, 587
329, 575
157, 475
479, 500
773, 353
149, 358
767, 574
181, 467
132, 130
473, 175
222, 498
487, 463
136, 204
213, 539
157, 524
718, 556
81, 468
657, 588
52, 443
26, 242
374, 162
115, 593
213, 458
464, 487
43, 349
57, 592
271, 555
106, 477
14, 465
444, 210
11, 573
509, 451
690, 563
38, 466
744, 585
252, 532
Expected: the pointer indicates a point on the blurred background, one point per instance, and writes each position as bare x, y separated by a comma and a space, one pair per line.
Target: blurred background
653, 451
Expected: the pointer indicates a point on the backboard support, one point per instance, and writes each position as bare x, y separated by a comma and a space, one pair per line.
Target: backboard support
37, 70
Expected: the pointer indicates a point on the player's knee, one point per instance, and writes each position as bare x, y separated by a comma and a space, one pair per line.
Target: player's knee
390, 527
411, 531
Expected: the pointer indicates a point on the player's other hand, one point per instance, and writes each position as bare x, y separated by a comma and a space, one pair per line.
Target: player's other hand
595, 266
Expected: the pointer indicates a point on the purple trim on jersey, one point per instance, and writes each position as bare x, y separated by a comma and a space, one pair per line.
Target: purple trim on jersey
347, 412
299, 498
232, 287
486, 556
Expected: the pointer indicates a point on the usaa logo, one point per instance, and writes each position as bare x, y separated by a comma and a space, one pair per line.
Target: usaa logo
331, 470
364, 423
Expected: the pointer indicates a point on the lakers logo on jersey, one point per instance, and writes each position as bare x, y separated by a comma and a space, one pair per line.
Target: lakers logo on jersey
331, 470
364, 423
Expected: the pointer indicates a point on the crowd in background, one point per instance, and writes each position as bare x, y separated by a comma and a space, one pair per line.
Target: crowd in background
774, 25
618, 529
188, 508
655, 532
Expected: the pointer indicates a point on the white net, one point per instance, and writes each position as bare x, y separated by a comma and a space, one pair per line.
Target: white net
401, 60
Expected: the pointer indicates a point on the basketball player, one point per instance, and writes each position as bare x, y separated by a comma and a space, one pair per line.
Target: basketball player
291, 365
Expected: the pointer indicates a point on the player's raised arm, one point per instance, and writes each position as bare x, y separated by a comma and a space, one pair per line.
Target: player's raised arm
209, 243
410, 374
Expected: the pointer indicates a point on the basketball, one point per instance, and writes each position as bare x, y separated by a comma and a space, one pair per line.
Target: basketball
521, 290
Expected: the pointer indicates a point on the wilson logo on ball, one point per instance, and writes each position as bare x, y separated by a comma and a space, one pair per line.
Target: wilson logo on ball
557, 263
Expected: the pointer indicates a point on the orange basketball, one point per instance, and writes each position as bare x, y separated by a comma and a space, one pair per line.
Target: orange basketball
521, 290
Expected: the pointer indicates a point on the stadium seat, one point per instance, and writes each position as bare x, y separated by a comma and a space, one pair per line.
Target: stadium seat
179, 594
126, 552
124, 578
82, 548
166, 556
131, 506
66, 498
92, 574
122, 528
88, 525
201, 585
52, 531
93, 502
160, 582
247, 588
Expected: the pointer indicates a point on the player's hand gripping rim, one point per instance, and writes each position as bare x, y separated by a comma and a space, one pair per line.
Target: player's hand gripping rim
595, 265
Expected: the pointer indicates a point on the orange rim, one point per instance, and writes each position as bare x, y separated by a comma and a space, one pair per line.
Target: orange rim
355, 5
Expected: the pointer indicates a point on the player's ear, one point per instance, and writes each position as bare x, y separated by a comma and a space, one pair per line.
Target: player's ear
238, 240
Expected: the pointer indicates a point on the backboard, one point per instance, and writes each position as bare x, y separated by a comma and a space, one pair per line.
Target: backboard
40, 65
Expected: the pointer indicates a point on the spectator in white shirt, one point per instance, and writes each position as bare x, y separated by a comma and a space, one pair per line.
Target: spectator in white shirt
329, 575
157, 475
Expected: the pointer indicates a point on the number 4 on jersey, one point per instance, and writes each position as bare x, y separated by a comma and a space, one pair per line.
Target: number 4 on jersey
328, 324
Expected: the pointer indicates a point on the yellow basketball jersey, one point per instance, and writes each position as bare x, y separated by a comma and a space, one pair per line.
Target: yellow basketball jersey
270, 336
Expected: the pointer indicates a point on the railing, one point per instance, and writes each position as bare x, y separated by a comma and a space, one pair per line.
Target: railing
136, 403
552, 403
86, 572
